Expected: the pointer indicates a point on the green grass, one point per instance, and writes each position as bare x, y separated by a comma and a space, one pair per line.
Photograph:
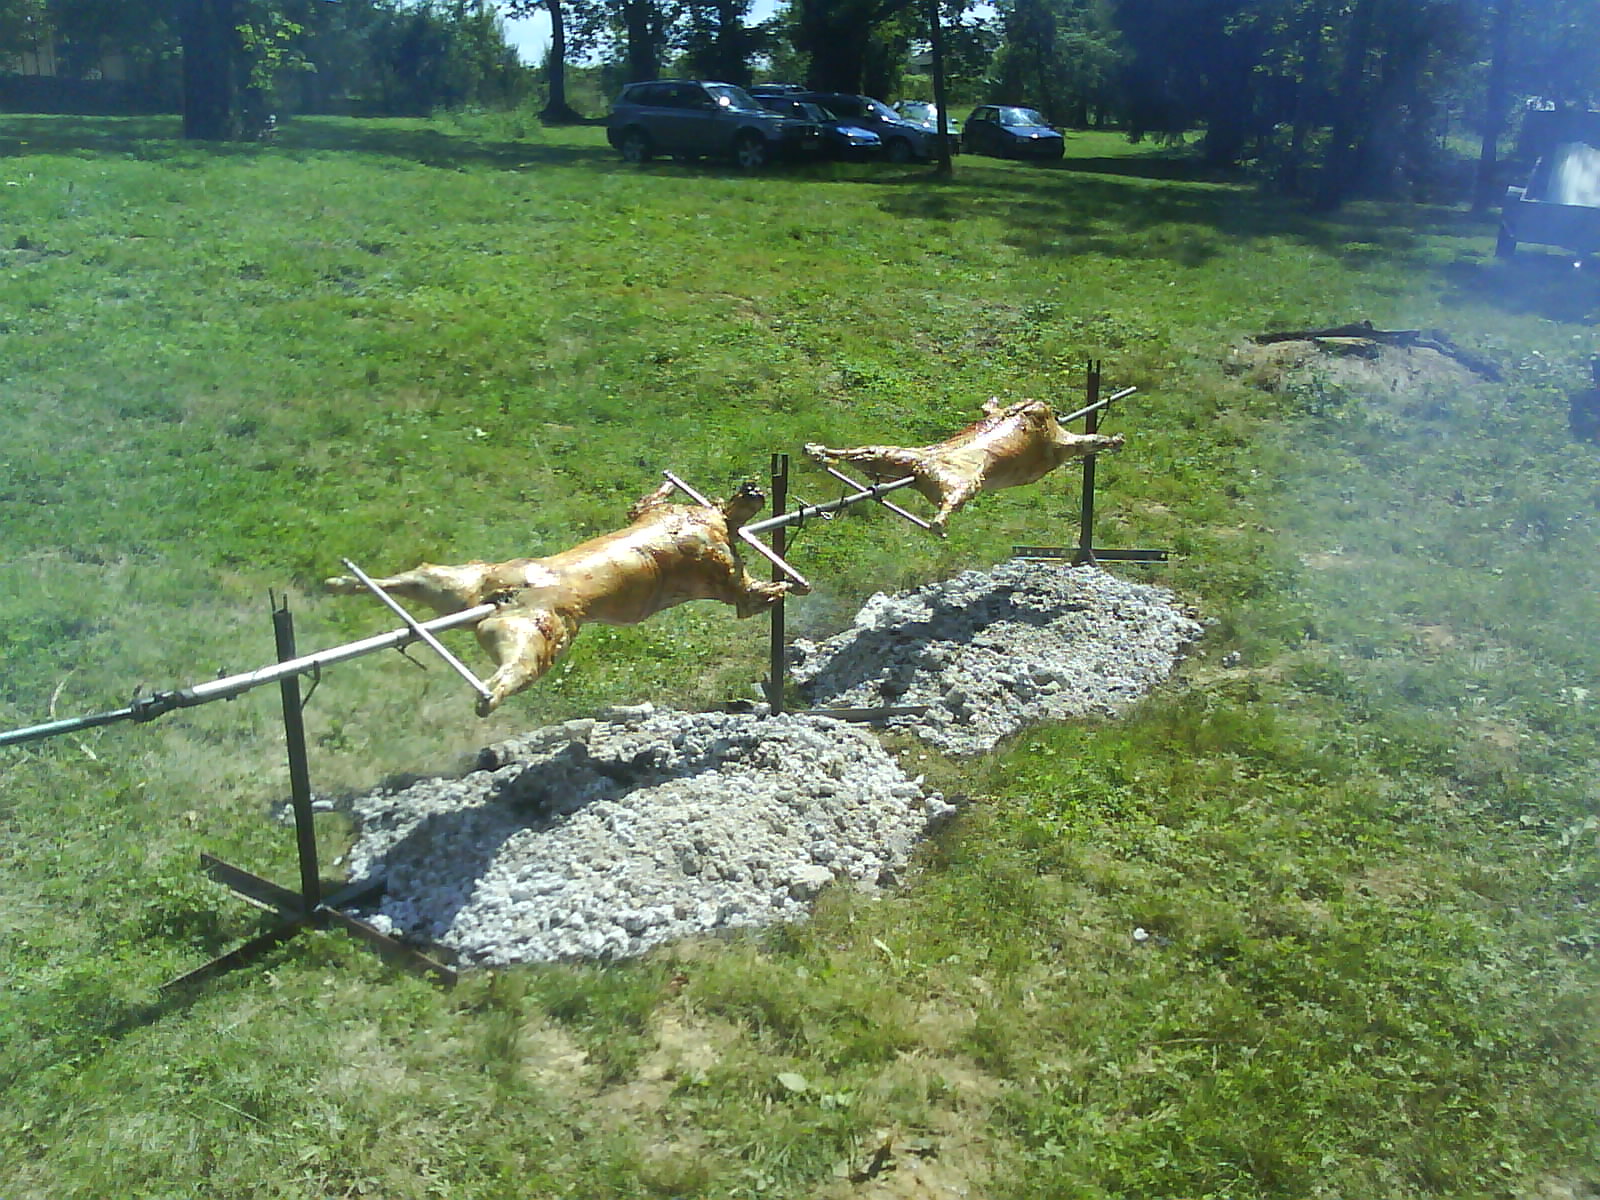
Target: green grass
1359, 829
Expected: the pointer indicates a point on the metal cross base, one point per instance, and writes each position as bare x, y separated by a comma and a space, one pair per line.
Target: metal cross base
289, 906
307, 908
1081, 557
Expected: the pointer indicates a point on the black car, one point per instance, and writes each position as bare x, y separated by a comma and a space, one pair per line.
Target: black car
691, 118
1009, 132
844, 139
903, 140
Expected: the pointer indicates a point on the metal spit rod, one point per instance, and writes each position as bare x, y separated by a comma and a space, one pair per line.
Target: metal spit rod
147, 708
889, 504
1097, 405
806, 512
433, 643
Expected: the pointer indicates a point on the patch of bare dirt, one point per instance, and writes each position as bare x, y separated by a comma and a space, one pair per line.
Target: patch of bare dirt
1366, 368
552, 1059
898, 1164
684, 1048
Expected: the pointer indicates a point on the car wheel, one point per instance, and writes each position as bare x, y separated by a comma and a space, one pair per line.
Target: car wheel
750, 151
1504, 244
635, 146
899, 151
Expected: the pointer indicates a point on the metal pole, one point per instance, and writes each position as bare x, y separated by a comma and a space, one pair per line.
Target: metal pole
433, 643
807, 511
697, 497
1097, 405
889, 504
1091, 424
147, 708
775, 661
294, 737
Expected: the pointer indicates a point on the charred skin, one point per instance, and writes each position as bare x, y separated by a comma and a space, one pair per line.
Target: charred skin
668, 554
1005, 448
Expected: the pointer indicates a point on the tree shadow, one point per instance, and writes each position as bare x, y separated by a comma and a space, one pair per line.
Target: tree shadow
1168, 166
1533, 283
1154, 208
159, 138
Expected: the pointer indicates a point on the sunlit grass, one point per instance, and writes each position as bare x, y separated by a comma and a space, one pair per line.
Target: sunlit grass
1357, 833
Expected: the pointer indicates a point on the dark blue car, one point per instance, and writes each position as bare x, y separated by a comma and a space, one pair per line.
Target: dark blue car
903, 141
843, 139
1008, 132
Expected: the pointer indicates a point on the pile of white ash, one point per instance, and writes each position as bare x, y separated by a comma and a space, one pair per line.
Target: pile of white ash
602, 838
990, 653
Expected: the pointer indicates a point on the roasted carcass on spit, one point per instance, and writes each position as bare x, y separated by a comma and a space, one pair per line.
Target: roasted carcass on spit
668, 554
1009, 446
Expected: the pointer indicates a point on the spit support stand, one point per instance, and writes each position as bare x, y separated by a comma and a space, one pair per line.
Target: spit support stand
1085, 553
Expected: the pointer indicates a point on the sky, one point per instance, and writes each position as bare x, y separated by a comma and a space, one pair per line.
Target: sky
531, 35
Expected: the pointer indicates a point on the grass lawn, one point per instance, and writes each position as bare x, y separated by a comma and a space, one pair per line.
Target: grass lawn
1360, 827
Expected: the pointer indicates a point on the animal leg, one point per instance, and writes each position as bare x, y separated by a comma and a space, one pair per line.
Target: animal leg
1079, 444
750, 596
651, 500
878, 461
954, 492
525, 643
444, 589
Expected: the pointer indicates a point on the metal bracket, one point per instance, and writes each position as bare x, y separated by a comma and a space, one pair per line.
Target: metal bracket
415, 626
744, 534
872, 491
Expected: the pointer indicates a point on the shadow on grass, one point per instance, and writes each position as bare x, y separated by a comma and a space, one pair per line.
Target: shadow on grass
160, 138
1153, 207
1536, 282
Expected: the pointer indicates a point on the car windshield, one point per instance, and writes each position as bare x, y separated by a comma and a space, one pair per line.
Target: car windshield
728, 96
1021, 116
877, 108
923, 113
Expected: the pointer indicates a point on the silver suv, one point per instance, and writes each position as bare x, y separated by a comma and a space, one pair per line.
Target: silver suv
691, 119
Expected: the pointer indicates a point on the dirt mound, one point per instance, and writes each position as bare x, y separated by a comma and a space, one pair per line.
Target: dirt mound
1366, 368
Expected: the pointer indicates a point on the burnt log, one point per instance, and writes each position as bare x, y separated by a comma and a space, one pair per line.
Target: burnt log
1354, 338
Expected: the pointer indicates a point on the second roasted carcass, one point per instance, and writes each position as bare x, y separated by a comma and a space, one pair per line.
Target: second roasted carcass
668, 554
1009, 446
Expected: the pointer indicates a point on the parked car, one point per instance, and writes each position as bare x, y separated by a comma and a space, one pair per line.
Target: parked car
903, 140
691, 118
843, 139
926, 114
1009, 132
1559, 207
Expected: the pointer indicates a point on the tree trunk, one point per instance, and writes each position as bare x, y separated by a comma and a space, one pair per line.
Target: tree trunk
1349, 106
835, 38
936, 38
732, 57
556, 109
1496, 98
638, 20
210, 41
1306, 91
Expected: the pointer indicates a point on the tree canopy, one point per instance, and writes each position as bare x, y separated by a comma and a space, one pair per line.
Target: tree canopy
1320, 97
